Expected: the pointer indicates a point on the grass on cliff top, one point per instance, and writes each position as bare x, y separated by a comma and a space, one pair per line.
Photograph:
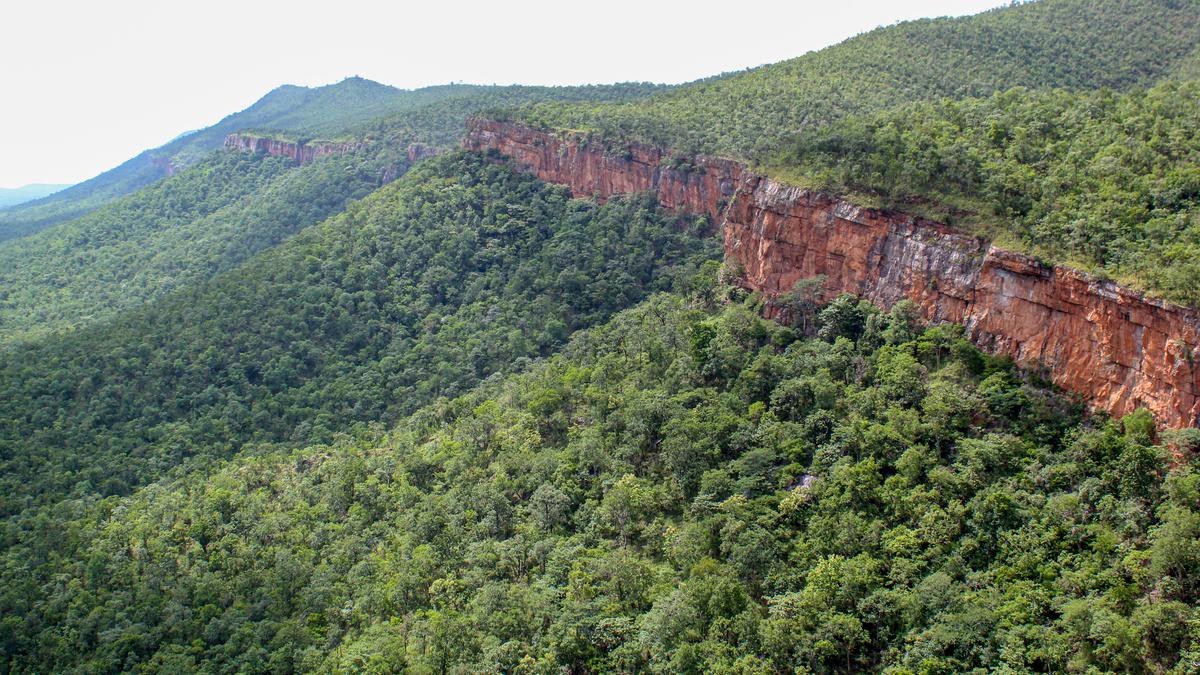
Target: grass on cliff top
967, 214
1102, 181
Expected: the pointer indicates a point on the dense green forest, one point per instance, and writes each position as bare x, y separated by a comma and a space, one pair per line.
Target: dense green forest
1105, 181
683, 490
432, 283
218, 214
347, 108
366, 417
1072, 44
183, 230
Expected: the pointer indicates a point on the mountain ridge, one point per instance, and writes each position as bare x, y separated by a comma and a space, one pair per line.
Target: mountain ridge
285, 107
19, 195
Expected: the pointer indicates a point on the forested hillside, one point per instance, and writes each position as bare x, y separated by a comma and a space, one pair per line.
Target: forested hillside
1072, 44
442, 122
427, 286
681, 491
1103, 181
218, 214
181, 231
364, 415
336, 110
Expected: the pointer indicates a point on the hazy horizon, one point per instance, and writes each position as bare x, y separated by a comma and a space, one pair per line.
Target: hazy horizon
144, 82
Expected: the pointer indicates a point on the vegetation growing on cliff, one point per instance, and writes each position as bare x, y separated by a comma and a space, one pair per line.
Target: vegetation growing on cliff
1065, 166
680, 491
1106, 181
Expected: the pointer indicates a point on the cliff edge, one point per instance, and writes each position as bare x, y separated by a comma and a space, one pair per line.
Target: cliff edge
1118, 348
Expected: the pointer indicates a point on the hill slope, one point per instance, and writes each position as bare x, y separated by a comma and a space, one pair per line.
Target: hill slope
426, 286
179, 232
13, 196
190, 227
680, 491
1073, 44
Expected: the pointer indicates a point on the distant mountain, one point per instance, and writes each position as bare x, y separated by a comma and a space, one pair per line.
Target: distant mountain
226, 207
13, 196
319, 111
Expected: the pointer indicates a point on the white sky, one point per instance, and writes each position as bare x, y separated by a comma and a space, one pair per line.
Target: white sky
89, 83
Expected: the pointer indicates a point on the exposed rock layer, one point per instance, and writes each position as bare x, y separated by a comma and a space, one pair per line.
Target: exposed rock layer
303, 152
1114, 346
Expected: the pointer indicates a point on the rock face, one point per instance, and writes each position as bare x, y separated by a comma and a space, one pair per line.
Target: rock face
419, 151
299, 152
165, 165
1116, 347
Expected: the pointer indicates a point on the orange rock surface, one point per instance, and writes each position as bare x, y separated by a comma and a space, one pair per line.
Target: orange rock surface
1116, 347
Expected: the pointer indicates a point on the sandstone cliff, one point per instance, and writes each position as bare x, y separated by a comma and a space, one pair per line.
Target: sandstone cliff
1118, 348
303, 152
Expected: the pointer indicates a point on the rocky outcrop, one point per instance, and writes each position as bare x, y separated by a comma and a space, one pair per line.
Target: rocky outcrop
419, 151
164, 164
1118, 348
702, 185
300, 152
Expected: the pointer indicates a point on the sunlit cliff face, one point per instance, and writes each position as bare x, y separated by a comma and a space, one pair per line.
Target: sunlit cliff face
1114, 346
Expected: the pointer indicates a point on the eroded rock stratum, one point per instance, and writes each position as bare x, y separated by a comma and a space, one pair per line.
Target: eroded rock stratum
1116, 347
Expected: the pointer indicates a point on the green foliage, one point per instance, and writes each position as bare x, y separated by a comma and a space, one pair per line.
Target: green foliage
1073, 44
221, 212
1106, 181
348, 108
427, 286
624, 506
200, 477
190, 227
1100, 180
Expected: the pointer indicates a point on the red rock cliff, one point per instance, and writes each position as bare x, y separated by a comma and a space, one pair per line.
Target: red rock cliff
299, 152
1117, 347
